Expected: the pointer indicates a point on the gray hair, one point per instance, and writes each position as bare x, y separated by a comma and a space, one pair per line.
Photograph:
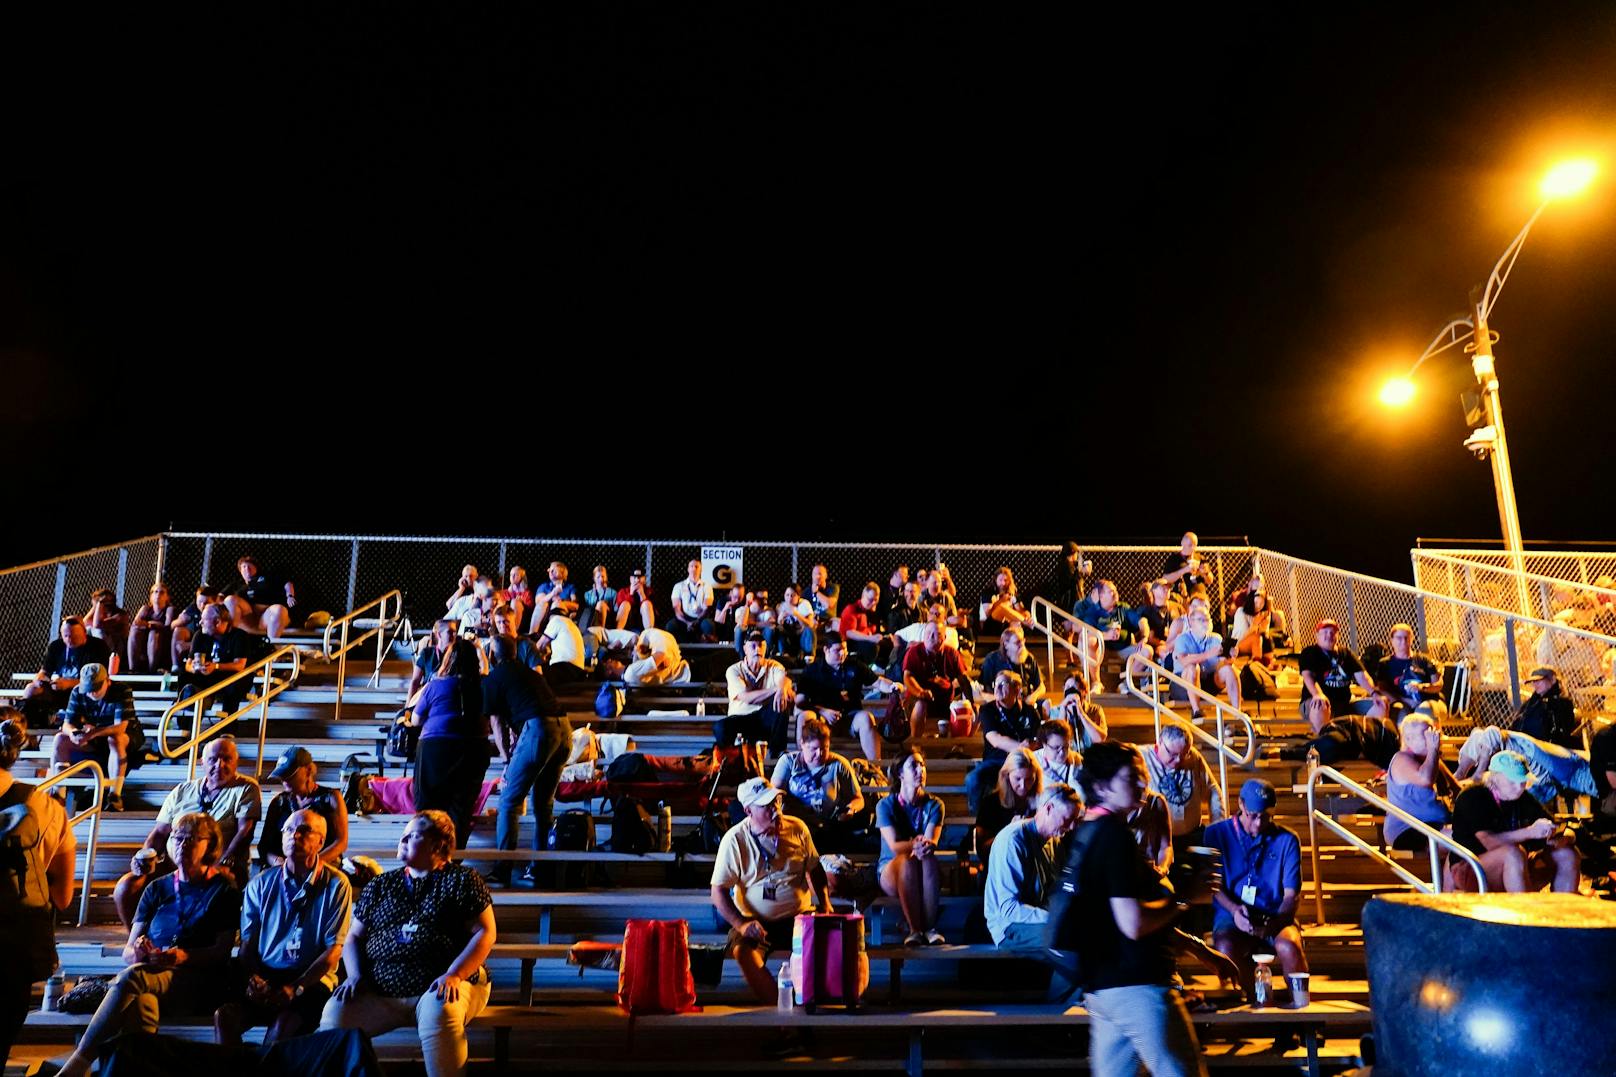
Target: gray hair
1173, 730
1060, 791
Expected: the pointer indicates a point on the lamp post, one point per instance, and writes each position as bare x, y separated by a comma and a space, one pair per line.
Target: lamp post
1488, 442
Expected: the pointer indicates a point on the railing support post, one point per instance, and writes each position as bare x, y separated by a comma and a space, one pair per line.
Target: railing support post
207, 560
1352, 618
342, 671
123, 574
1313, 846
1514, 663
353, 572
263, 719
196, 737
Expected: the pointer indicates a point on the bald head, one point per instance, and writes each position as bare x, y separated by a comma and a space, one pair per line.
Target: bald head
302, 838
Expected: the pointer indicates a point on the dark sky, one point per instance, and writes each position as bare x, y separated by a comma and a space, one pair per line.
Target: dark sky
888, 271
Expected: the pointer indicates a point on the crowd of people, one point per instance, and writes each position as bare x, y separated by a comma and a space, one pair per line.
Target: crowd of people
896, 670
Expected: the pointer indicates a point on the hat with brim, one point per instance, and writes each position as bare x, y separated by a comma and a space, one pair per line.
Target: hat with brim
756, 792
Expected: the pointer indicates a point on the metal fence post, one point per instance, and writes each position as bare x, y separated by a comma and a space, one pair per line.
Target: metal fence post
207, 559
648, 563
353, 572
1352, 619
795, 573
1514, 663
1419, 620
1296, 609
56, 601
162, 558
123, 574
502, 556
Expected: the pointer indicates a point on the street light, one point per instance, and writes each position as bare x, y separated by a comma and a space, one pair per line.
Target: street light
1487, 442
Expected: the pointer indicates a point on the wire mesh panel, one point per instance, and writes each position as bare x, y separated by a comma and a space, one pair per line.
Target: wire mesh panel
1545, 597
34, 597
427, 571
1497, 647
1576, 566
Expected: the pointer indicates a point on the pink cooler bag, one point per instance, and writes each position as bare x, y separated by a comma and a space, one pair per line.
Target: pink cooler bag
828, 962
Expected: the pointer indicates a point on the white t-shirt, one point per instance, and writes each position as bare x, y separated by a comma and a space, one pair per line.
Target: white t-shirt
767, 886
802, 611
232, 806
769, 675
662, 642
566, 642
912, 634
695, 599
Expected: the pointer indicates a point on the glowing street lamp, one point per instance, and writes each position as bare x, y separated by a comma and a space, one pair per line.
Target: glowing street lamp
1486, 442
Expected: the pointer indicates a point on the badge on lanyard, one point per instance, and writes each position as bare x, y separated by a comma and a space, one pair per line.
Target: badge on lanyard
1248, 894
406, 932
294, 945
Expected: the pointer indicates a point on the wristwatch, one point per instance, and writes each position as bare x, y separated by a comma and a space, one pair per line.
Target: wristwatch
297, 992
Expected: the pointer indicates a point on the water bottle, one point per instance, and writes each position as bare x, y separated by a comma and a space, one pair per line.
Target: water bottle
785, 1000
664, 827
1312, 760
1262, 981
701, 707
54, 988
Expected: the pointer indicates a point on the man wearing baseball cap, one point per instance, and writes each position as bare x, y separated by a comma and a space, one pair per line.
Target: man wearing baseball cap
1328, 674
761, 698
767, 871
100, 724
1517, 842
302, 791
1547, 714
1255, 912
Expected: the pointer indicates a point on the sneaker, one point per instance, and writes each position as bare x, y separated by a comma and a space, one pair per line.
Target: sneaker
935, 938
916, 938
497, 878
112, 801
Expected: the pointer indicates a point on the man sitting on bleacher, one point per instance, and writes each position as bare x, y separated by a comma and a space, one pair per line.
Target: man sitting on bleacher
820, 788
294, 920
1013, 655
231, 798
766, 872
259, 604
219, 652
834, 688
657, 660
58, 675
1008, 723
1180, 774
862, 632
96, 726
301, 791
1328, 674
1023, 869
563, 646
1262, 871
760, 699
692, 603
556, 596
932, 674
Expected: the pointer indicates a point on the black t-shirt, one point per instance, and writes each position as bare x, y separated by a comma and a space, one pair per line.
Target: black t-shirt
902, 615
189, 915
1476, 809
1186, 583
1404, 671
839, 689
62, 660
516, 693
232, 645
1018, 723
261, 590
1602, 758
1031, 678
327, 805
1333, 671
1113, 865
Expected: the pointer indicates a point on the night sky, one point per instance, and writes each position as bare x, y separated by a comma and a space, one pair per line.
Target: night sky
885, 271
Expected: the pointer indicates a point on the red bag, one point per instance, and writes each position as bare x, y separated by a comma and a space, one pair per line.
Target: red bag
655, 974
828, 962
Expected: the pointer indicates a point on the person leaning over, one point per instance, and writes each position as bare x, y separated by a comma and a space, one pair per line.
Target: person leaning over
293, 922
1519, 845
1023, 868
766, 872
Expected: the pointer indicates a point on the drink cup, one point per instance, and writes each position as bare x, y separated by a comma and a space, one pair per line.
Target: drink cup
1299, 988
147, 859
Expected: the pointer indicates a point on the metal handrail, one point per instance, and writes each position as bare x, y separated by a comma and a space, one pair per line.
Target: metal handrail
92, 813
268, 689
385, 623
1433, 837
1226, 754
77, 554
1439, 557
1052, 637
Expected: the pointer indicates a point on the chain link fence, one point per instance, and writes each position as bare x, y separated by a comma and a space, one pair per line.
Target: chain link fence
1563, 599
1496, 646
1575, 566
34, 598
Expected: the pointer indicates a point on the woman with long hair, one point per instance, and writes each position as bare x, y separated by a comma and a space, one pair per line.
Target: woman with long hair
452, 756
911, 823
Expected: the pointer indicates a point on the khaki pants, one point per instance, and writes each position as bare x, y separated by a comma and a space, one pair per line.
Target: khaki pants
441, 1025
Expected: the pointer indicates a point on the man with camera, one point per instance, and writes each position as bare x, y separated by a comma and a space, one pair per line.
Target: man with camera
1262, 863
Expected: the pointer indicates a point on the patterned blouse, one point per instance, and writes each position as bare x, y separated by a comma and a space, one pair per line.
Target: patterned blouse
415, 928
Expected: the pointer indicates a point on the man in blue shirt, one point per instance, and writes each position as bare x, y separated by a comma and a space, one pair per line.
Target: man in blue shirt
294, 920
1262, 872
1023, 870
554, 596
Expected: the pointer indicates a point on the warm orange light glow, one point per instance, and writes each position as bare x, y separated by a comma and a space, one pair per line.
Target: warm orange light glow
1437, 995
1569, 178
1397, 392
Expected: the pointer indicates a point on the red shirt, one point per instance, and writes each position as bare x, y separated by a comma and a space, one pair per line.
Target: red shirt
939, 669
856, 618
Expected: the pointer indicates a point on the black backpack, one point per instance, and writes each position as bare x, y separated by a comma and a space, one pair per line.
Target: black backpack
633, 829
573, 831
1066, 929
27, 917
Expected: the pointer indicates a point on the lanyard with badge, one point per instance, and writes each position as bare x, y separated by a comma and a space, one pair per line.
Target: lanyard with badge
1248, 888
771, 882
417, 890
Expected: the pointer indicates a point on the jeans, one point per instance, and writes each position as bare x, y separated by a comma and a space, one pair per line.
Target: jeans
536, 761
981, 779
691, 633
449, 774
762, 724
441, 1025
1143, 1023
781, 640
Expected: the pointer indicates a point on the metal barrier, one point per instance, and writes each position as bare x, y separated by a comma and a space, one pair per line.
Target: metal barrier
1548, 598
1226, 754
1434, 838
92, 813
1573, 566
268, 689
385, 629
1498, 647
1047, 626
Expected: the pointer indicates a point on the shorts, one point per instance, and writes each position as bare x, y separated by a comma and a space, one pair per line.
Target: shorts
777, 936
307, 1006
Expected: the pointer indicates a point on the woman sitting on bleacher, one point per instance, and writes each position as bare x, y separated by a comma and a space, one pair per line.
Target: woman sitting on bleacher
820, 788
1055, 753
1021, 779
911, 822
179, 943
415, 952
151, 634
